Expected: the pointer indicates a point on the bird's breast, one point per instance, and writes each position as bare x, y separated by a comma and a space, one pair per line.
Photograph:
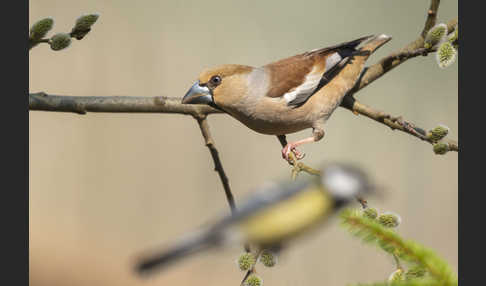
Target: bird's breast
274, 118
287, 218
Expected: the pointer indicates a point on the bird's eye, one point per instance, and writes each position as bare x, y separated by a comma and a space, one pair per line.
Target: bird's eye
216, 80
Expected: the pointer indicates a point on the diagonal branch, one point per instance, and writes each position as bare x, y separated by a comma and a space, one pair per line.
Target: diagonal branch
395, 123
218, 166
373, 72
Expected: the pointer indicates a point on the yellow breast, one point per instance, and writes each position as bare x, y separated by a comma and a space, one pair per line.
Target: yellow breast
287, 218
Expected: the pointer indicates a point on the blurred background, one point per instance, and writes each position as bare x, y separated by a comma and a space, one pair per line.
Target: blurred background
104, 187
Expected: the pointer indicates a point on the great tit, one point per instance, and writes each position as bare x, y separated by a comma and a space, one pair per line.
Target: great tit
275, 214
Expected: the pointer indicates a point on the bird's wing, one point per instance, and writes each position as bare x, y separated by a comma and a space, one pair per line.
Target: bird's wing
297, 78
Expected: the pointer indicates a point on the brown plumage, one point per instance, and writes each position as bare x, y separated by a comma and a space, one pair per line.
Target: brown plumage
288, 95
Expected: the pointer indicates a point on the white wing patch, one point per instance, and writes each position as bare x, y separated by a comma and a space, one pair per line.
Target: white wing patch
332, 60
306, 88
312, 80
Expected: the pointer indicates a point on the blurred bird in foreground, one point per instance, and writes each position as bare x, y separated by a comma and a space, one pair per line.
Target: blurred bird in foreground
274, 215
289, 95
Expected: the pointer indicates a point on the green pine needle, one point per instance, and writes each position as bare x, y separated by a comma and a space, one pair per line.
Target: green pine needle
407, 250
415, 282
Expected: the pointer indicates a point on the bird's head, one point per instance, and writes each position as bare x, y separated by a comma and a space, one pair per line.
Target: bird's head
345, 183
216, 84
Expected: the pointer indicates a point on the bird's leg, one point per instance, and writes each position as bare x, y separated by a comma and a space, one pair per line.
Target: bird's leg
282, 139
293, 147
285, 154
317, 134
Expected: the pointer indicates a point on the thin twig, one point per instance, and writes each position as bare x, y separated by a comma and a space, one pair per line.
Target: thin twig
431, 17
397, 261
297, 166
218, 166
252, 268
395, 123
373, 72
33, 43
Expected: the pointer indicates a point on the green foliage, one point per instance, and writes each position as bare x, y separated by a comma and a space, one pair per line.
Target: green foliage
416, 282
454, 37
371, 231
40, 29
396, 275
438, 133
389, 220
253, 280
415, 272
83, 25
60, 41
441, 148
446, 54
370, 213
435, 35
268, 258
246, 261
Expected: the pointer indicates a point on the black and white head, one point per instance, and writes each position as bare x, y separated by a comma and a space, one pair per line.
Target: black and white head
345, 183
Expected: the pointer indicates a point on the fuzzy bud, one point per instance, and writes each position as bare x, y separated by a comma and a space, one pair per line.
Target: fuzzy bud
438, 133
253, 280
435, 35
441, 148
396, 276
446, 55
454, 37
83, 25
268, 258
40, 29
370, 213
60, 41
246, 261
389, 219
415, 272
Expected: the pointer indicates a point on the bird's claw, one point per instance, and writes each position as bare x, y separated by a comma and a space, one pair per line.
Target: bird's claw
291, 148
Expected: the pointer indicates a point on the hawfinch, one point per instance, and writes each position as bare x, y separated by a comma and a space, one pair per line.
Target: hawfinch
288, 95
273, 216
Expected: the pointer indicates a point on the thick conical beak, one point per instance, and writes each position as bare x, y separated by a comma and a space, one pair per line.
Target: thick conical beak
198, 94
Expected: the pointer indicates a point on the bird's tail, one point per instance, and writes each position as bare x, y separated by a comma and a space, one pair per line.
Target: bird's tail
353, 44
345, 49
192, 244
375, 43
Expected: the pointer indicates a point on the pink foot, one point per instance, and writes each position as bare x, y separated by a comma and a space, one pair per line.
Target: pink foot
291, 148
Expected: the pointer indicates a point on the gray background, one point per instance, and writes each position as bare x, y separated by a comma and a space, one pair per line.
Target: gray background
105, 186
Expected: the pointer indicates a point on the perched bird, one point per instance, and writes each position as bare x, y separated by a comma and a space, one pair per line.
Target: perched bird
289, 95
273, 216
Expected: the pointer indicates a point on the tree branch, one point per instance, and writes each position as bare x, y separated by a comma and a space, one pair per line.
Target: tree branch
83, 104
431, 17
413, 49
218, 166
395, 123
